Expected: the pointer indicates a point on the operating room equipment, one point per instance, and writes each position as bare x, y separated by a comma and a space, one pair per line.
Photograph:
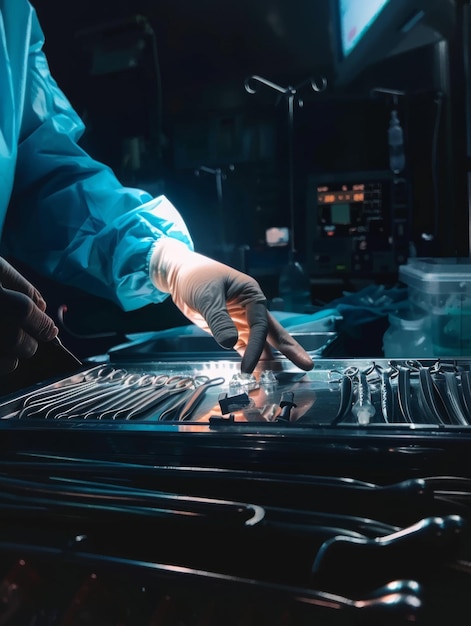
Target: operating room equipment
313, 475
387, 396
286, 405
363, 408
219, 175
297, 503
291, 93
116, 394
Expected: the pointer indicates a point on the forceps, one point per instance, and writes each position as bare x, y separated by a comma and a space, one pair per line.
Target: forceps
144, 393
184, 408
135, 384
97, 394
74, 392
165, 385
102, 374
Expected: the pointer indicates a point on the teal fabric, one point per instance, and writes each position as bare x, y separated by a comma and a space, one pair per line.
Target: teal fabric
62, 212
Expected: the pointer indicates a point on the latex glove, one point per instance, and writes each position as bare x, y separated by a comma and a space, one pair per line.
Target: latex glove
23, 320
223, 301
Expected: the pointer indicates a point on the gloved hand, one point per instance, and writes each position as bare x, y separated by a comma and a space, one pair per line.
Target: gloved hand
23, 320
225, 302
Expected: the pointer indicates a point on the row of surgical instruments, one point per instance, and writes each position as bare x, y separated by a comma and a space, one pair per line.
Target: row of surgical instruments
409, 391
109, 393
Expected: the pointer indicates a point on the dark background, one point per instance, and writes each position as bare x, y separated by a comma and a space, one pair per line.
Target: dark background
167, 78
196, 101
185, 100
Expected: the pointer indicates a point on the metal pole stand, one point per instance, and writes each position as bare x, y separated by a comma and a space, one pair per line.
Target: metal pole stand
219, 176
290, 94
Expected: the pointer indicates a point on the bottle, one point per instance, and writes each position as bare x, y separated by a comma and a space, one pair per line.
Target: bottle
408, 336
397, 158
294, 287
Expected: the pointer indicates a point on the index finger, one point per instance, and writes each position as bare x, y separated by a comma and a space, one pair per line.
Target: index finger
257, 322
281, 340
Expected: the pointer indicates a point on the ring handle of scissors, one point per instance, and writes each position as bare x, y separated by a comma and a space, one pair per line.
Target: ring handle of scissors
179, 382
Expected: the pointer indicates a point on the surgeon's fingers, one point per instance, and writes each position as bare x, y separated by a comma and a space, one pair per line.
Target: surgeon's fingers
213, 309
19, 310
280, 339
257, 321
10, 278
8, 364
23, 325
15, 343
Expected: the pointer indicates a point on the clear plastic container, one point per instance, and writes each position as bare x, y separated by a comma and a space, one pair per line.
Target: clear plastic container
441, 289
408, 336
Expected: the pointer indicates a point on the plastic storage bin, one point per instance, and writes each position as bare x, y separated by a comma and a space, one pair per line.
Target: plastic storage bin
441, 287
408, 336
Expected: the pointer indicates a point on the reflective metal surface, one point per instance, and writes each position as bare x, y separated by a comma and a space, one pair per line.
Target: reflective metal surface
307, 475
360, 394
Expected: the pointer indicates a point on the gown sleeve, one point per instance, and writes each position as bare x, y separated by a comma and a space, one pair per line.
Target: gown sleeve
69, 217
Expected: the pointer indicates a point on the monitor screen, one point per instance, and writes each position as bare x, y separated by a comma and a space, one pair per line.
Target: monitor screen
368, 31
355, 19
352, 224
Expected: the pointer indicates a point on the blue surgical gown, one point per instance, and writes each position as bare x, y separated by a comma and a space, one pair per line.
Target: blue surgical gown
62, 212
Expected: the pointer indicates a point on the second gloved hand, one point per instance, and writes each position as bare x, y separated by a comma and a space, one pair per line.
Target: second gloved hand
227, 303
24, 321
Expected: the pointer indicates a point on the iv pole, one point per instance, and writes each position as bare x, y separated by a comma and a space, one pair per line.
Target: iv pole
219, 176
290, 94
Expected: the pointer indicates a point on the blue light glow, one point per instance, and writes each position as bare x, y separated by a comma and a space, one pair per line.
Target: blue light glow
356, 17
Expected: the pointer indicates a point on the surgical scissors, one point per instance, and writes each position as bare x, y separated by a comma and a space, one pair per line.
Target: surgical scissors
104, 390
184, 408
98, 394
166, 386
139, 395
90, 379
74, 392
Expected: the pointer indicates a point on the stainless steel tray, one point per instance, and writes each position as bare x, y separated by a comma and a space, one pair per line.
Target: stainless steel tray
311, 439
317, 398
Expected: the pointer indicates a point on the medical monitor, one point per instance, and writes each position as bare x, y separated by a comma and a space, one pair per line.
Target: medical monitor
365, 32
